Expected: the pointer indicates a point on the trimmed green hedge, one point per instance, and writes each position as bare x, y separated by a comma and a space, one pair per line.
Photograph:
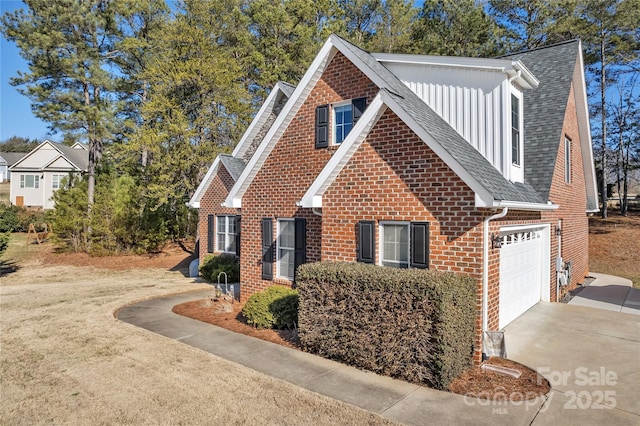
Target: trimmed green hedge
276, 307
213, 265
416, 325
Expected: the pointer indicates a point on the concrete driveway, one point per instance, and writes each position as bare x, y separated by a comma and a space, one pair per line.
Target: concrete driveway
591, 358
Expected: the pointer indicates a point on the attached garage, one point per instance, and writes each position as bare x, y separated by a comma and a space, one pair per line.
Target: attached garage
524, 270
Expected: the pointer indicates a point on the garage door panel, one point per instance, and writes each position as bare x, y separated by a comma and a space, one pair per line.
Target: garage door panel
521, 272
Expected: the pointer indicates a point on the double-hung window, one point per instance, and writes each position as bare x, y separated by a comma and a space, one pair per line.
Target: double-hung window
342, 122
226, 232
29, 181
286, 248
56, 181
395, 244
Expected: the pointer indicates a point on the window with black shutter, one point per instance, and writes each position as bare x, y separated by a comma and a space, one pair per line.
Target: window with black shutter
210, 233
267, 249
419, 245
366, 241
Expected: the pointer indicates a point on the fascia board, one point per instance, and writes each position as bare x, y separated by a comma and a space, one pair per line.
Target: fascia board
204, 185
584, 131
234, 199
313, 197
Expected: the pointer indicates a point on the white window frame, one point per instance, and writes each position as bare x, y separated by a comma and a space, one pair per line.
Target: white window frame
229, 237
23, 181
382, 259
279, 248
56, 180
517, 164
567, 160
334, 127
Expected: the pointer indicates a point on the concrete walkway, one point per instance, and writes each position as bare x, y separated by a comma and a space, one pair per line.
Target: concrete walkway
415, 405
610, 293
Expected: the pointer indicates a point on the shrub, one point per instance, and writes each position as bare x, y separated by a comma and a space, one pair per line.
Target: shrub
417, 325
4, 241
276, 307
213, 265
18, 219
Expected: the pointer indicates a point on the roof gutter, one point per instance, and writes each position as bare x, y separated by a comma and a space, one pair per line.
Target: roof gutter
485, 268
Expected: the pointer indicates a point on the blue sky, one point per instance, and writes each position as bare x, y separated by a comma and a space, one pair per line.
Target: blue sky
16, 118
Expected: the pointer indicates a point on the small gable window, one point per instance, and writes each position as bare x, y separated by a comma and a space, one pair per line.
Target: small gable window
339, 118
567, 160
516, 136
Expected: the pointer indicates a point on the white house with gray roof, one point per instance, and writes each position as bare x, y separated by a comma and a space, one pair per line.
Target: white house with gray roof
38, 174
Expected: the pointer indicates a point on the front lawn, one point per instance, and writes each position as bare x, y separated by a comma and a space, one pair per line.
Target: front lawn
614, 245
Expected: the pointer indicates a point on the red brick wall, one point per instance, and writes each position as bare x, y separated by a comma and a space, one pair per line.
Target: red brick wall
404, 181
573, 203
290, 169
210, 203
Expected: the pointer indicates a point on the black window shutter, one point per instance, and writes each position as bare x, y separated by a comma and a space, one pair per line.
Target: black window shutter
358, 106
267, 249
211, 228
419, 245
300, 254
238, 230
322, 126
366, 241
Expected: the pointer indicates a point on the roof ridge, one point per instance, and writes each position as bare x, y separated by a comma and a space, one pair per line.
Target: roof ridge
520, 52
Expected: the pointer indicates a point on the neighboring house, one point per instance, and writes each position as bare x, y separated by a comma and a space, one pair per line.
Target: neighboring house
38, 174
8, 159
481, 167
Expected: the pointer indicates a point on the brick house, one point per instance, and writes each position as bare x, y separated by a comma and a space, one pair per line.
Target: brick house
482, 167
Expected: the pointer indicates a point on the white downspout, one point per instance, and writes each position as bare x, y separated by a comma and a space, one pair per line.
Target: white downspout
485, 267
316, 212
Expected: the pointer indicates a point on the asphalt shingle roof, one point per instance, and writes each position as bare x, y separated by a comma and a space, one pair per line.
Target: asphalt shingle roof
78, 156
463, 152
12, 157
235, 166
544, 109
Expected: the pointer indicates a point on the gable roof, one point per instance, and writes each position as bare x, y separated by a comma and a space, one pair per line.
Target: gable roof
557, 67
12, 157
491, 188
246, 147
76, 157
235, 166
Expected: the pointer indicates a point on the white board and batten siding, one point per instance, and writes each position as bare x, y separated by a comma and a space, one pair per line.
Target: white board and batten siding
475, 102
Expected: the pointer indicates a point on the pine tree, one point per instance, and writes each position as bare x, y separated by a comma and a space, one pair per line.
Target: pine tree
456, 28
68, 45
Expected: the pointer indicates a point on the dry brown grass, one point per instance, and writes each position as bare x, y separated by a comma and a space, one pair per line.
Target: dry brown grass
65, 359
614, 245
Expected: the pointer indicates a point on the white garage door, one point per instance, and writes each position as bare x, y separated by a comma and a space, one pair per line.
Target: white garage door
523, 262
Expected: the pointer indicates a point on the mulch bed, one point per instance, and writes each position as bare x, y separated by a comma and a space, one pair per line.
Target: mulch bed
473, 383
